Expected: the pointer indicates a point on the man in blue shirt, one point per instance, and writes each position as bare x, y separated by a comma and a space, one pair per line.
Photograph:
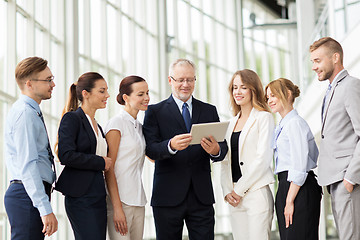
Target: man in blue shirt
29, 158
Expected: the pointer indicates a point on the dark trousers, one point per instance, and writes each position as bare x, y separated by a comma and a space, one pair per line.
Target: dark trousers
305, 224
87, 214
199, 219
24, 218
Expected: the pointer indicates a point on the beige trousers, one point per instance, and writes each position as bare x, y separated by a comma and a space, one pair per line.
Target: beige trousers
134, 219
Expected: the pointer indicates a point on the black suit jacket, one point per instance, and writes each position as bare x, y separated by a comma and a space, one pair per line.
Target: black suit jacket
77, 148
174, 173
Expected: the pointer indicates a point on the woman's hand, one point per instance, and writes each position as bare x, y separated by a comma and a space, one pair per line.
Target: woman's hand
288, 213
233, 199
108, 163
289, 207
120, 221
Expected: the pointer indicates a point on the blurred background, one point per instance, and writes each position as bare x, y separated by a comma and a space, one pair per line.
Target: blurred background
122, 37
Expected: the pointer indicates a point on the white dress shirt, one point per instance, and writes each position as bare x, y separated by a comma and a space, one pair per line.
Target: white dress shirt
130, 158
101, 145
295, 148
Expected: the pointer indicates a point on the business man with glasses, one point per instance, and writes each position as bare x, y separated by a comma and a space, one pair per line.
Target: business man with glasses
28, 155
182, 189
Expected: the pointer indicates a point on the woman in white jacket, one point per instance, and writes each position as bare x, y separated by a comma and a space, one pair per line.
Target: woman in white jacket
246, 169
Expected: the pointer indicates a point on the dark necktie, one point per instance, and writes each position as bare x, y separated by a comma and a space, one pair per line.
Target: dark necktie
51, 156
186, 116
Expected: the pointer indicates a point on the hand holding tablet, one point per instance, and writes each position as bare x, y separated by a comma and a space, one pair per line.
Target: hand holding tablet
204, 130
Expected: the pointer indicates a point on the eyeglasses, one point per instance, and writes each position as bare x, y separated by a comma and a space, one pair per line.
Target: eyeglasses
49, 80
182, 80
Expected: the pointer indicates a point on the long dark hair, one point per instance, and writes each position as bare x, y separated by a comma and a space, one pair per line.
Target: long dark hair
85, 82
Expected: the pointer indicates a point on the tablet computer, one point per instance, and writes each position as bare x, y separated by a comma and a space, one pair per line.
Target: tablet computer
215, 129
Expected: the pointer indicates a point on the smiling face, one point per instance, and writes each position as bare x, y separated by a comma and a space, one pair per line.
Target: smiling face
182, 91
241, 94
98, 96
41, 90
323, 63
274, 102
139, 97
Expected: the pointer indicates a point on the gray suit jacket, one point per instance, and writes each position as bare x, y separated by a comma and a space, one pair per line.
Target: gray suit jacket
340, 145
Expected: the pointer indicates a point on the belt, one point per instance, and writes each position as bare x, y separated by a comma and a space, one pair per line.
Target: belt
48, 187
15, 181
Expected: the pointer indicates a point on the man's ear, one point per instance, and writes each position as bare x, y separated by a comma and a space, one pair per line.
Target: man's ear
28, 83
336, 57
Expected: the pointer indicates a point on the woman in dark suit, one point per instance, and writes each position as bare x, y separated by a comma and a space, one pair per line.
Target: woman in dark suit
82, 149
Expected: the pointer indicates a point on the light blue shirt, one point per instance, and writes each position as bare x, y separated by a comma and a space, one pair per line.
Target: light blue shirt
295, 148
180, 103
27, 157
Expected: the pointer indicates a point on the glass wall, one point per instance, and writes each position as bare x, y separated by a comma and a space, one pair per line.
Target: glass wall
122, 37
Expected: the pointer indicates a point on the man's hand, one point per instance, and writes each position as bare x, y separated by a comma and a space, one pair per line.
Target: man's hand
180, 142
349, 187
50, 224
108, 163
210, 145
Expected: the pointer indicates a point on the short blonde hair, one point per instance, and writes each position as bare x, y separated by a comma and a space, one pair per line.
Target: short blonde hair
281, 87
330, 44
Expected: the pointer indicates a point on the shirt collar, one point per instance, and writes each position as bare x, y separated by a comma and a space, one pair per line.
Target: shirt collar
130, 118
288, 117
180, 103
336, 77
31, 102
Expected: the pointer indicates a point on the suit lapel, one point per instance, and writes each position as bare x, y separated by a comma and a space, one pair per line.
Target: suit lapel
249, 123
196, 110
229, 132
174, 111
88, 128
340, 78
231, 127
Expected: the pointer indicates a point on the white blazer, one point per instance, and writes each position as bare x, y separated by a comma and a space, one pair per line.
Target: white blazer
255, 154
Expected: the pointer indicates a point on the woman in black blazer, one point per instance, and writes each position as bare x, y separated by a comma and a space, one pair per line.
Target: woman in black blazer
82, 149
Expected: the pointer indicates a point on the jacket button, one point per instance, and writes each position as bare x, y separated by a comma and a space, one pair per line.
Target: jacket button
322, 136
241, 163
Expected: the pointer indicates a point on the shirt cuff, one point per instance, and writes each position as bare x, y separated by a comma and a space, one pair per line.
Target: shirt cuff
45, 209
170, 150
349, 181
297, 177
218, 155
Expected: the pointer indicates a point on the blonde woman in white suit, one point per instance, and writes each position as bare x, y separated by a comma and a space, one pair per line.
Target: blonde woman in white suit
246, 170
